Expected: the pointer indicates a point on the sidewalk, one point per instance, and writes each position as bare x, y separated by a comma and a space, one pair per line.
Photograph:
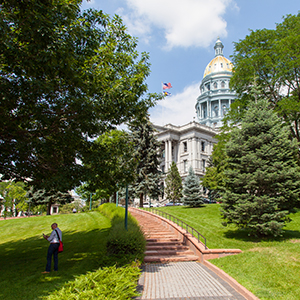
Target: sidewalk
183, 281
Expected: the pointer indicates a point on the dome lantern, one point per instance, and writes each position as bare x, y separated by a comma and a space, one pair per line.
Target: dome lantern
218, 48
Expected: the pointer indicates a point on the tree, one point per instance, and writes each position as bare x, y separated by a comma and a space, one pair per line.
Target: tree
270, 59
110, 163
191, 190
262, 183
173, 182
13, 197
214, 178
43, 197
66, 77
146, 154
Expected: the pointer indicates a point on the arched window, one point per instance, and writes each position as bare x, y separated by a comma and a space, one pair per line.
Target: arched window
223, 84
215, 85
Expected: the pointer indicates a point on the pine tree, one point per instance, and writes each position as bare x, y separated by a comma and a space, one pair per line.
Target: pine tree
148, 175
262, 176
191, 190
173, 182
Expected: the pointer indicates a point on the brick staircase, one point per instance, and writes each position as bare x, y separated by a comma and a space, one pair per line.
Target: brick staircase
162, 244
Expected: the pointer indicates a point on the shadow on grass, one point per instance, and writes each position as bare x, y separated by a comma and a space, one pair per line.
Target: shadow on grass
244, 235
22, 261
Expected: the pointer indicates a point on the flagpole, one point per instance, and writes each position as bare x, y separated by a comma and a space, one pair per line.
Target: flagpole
162, 107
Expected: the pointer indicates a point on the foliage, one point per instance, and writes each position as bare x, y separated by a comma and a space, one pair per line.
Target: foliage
68, 207
121, 241
48, 197
214, 178
173, 182
269, 59
13, 197
262, 182
66, 77
110, 163
105, 283
146, 153
191, 190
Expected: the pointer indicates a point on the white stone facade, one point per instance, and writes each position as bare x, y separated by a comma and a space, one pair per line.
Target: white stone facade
187, 145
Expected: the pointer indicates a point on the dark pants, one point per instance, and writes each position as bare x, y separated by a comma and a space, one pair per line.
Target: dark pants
52, 250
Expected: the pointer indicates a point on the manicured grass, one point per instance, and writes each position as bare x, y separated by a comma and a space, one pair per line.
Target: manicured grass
23, 253
269, 268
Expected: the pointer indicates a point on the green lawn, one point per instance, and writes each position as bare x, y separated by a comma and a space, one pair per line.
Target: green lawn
268, 268
23, 252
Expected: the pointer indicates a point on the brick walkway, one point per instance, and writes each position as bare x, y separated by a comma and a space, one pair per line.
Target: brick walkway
183, 281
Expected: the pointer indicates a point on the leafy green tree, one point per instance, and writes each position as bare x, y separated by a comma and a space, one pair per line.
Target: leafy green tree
262, 182
110, 163
269, 59
66, 77
43, 197
192, 190
173, 183
13, 196
146, 154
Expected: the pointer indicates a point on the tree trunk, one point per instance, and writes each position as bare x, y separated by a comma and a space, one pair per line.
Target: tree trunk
49, 208
141, 199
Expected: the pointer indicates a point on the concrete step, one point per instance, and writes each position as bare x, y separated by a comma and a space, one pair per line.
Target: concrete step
162, 240
161, 252
167, 247
170, 258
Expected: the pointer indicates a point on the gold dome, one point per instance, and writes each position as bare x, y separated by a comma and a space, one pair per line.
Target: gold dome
219, 64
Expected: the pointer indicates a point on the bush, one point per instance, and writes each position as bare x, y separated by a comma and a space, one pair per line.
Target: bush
121, 241
106, 283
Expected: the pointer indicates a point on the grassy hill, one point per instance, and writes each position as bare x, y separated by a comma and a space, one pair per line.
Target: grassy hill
23, 255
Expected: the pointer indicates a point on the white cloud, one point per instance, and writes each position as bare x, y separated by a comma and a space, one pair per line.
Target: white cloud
183, 23
178, 109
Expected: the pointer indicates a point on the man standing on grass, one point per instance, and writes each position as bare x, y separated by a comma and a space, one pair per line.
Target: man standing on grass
54, 238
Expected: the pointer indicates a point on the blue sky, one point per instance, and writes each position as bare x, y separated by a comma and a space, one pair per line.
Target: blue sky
179, 36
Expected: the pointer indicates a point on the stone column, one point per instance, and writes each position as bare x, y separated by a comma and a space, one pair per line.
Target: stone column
166, 156
170, 154
194, 151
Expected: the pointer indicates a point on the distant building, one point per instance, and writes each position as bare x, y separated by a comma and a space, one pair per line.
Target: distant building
187, 145
192, 144
215, 96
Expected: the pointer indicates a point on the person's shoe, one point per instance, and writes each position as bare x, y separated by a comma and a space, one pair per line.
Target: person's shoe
45, 272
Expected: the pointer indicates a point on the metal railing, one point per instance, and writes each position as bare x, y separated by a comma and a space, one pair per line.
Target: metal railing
183, 225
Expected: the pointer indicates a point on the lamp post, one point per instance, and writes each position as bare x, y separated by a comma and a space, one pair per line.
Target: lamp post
126, 208
91, 201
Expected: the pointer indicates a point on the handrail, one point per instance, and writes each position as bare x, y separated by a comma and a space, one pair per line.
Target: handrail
176, 221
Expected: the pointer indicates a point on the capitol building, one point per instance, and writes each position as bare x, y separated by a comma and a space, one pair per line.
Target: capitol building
192, 144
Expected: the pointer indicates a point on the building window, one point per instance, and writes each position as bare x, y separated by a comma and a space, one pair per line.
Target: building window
54, 209
215, 85
203, 165
203, 146
185, 166
221, 65
184, 146
222, 84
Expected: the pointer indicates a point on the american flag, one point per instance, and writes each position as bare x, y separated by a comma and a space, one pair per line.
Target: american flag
166, 86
